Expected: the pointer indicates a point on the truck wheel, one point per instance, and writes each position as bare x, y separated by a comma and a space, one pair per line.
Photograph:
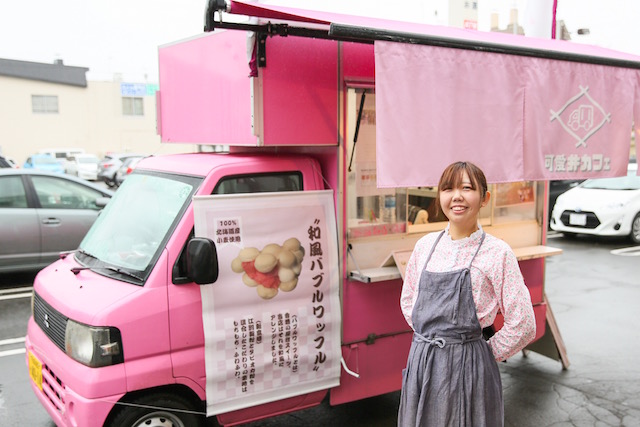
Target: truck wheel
160, 410
635, 229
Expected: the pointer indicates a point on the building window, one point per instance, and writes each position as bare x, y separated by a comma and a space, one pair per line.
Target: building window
132, 106
47, 104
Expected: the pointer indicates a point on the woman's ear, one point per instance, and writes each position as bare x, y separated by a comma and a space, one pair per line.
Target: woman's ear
487, 197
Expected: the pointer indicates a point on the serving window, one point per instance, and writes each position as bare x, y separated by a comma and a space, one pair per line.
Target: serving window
373, 211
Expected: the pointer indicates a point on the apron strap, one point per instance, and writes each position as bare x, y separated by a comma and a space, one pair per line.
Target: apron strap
438, 239
441, 341
433, 248
478, 249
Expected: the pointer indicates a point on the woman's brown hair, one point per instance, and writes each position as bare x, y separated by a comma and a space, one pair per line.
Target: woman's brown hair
452, 177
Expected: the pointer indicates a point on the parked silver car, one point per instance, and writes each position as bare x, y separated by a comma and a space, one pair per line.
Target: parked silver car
110, 164
127, 167
43, 214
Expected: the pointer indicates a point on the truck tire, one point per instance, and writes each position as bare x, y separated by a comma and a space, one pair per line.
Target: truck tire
156, 410
635, 229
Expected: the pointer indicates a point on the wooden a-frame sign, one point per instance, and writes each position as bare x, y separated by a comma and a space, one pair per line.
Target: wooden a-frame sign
551, 343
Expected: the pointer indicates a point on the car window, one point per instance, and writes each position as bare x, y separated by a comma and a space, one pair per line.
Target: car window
12, 194
45, 160
56, 193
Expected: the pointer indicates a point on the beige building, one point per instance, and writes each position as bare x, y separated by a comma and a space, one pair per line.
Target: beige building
53, 105
463, 14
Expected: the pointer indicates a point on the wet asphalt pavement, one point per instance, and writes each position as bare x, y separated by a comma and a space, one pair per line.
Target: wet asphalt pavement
594, 296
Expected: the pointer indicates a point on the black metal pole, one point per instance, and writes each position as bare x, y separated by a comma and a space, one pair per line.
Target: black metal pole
366, 34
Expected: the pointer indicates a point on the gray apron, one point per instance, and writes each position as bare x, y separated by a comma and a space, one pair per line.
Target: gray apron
451, 378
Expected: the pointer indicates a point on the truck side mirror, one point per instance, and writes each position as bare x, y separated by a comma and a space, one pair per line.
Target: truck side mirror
202, 261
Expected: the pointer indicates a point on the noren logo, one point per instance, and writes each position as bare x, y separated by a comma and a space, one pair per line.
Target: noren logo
581, 116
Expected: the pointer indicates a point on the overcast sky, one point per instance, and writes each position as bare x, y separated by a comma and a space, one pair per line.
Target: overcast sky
122, 36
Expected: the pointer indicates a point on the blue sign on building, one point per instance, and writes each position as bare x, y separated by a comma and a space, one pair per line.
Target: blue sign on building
133, 89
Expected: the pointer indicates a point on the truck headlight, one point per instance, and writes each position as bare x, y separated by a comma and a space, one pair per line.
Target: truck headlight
93, 346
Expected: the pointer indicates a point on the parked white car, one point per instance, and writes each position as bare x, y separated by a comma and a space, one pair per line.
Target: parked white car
61, 154
602, 207
83, 166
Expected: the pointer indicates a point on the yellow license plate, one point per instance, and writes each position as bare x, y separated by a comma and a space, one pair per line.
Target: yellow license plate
35, 370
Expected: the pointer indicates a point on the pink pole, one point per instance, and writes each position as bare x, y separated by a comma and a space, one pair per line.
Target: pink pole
553, 21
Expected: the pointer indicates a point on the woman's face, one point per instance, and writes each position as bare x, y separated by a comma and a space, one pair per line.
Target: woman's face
462, 204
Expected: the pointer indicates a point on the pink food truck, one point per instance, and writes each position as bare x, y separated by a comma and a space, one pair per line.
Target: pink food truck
263, 279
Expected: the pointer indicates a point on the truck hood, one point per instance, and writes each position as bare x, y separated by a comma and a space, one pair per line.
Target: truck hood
83, 297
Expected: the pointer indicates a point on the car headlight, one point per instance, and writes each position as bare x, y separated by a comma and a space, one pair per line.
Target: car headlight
613, 206
93, 346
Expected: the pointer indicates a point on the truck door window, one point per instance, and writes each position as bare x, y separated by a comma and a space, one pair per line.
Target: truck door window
260, 183
236, 184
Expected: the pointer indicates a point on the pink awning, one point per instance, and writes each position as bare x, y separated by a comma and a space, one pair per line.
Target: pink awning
518, 118
522, 108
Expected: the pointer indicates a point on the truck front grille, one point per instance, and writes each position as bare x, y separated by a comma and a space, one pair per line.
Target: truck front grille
50, 320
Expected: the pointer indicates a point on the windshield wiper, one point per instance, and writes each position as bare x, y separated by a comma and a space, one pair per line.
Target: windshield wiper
76, 270
125, 272
85, 253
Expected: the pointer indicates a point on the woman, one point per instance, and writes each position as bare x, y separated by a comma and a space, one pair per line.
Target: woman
455, 283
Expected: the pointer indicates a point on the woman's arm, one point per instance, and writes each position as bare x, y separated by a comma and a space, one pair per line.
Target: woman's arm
515, 305
412, 273
409, 287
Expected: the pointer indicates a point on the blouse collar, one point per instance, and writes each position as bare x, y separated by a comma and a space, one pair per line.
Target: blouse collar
474, 237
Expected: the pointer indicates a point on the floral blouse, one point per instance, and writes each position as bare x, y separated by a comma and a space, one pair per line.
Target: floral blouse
496, 283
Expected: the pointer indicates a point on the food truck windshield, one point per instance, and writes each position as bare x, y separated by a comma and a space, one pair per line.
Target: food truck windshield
136, 223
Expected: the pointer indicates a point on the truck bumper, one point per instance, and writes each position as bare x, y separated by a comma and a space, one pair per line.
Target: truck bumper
65, 405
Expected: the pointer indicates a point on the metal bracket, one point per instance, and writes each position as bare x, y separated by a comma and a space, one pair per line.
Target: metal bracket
262, 50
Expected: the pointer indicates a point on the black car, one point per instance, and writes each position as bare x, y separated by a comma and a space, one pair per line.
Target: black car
557, 187
4, 163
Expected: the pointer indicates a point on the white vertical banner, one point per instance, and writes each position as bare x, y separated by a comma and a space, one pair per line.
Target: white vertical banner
539, 18
272, 319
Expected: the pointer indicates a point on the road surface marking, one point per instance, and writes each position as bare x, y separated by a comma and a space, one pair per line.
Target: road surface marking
12, 341
631, 251
13, 352
14, 290
15, 296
